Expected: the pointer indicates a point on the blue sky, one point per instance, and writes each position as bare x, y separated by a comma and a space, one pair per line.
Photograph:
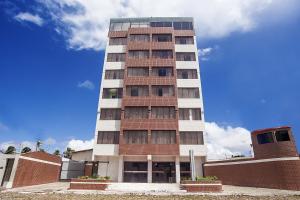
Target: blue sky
50, 68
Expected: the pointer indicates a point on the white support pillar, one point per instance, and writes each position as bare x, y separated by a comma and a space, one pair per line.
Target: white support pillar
177, 169
149, 171
120, 174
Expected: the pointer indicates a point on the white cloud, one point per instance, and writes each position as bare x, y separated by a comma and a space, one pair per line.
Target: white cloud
85, 23
223, 142
78, 145
86, 84
49, 141
18, 145
25, 16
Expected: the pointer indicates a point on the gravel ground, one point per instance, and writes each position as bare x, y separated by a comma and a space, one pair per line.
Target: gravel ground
50, 196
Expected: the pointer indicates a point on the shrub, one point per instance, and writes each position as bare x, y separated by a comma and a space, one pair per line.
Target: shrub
206, 178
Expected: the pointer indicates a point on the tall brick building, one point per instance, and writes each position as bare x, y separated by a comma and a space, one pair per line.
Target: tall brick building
150, 112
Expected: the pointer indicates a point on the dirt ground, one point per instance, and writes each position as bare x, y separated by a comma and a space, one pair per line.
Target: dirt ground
22, 196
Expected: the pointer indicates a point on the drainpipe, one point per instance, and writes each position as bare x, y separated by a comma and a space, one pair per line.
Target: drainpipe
192, 165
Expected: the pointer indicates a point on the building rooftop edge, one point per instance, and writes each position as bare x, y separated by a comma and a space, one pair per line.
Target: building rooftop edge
151, 19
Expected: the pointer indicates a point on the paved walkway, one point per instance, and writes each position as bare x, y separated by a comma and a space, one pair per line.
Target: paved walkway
62, 187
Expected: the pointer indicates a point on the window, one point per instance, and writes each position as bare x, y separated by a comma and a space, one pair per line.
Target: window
108, 137
187, 74
139, 24
162, 54
265, 138
110, 114
185, 56
162, 71
119, 26
118, 41
162, 38
137, 71
135, 91
184, 40
163, 90
112, 93
189, 113
114, 74
191, 137
161, 24
140, 112
188, 93
136, 137
116, 57
138, 54
159, 112
139, 37
183, 25
163, 137
282, 135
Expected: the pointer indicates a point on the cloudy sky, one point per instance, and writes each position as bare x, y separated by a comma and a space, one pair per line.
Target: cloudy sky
51, 57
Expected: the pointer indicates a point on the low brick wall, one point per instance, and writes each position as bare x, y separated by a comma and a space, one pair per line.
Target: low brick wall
88, 184
268, 173
195, 186
36, 168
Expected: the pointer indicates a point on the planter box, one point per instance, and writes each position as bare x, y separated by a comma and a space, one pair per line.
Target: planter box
88, 184
202, 186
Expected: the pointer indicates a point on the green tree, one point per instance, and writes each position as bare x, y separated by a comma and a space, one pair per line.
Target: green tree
68, 153
26, 150
10, 150
56, 152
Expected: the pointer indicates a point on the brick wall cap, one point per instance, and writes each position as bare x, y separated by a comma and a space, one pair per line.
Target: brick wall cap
270, 129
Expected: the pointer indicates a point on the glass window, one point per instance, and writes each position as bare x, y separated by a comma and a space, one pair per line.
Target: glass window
112, 93
137, 90
184, 40
163, 90
265, 138
191, 137
119, 26
161, 24
139, 37
116, 57
137, 54
110, 114
163, 137
136, 137
187, 74
108, 137
137, 71
162, 54
183, 25
162, 71
188, 93
162, 37
140, 24
118, 41
139, 112
282, 135
185, 56
189, 113
160, 112
114, 74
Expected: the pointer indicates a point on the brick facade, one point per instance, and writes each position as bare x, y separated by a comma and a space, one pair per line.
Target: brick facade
31, 172
275, 165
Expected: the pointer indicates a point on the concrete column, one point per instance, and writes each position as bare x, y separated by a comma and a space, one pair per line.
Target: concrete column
120, 174
177, 169
149, 171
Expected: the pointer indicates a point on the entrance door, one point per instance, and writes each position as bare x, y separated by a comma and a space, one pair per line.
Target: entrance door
135, 172
7, 172
163, 172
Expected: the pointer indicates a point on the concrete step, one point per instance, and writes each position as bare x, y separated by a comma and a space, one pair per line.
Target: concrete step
145, 187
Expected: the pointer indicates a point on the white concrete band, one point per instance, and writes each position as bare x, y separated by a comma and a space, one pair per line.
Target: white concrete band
253, 161
94, 183
39, 160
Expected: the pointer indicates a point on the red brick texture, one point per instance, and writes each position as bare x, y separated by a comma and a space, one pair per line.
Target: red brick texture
195, 186
76, 184
277, 174
34, 173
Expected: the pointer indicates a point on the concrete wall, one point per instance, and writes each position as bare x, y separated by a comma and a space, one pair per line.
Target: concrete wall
85, 155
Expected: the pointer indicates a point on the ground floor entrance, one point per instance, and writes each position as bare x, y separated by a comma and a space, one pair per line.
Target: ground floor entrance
147, 169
